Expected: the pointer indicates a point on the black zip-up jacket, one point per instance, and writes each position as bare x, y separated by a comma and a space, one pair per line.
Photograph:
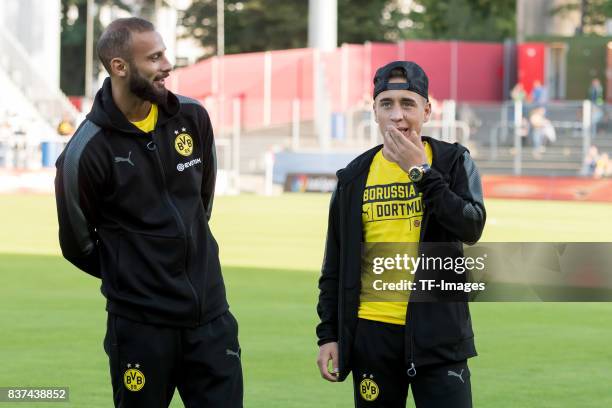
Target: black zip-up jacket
133, 210
437, 330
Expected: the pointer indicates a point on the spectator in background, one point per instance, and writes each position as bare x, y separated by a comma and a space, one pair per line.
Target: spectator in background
596, 98
518, 93
603, 167
542, 131
589, 163
539, 93
66, 126
596, 92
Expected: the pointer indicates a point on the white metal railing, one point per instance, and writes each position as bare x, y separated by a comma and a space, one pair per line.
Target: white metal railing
515, 122
48, 100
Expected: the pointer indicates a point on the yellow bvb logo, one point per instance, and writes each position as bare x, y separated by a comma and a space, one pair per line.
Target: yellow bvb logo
183, 143
133, 379
369, 389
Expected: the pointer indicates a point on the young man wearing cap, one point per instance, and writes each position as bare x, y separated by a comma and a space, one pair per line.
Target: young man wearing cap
425, 195
134, 191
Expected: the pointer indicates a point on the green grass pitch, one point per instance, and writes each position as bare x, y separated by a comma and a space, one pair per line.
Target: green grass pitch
52, 318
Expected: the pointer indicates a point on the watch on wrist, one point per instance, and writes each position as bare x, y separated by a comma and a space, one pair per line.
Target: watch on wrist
416, 173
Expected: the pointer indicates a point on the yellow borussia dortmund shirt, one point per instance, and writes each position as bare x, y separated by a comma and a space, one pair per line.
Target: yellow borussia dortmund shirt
392, 211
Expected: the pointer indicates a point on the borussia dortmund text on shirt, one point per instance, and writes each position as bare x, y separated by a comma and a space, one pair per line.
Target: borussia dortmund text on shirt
389, 192
398, 209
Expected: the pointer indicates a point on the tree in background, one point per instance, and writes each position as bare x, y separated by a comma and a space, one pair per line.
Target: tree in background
72, 48
593, 13
474, 20
261, 25
372, 20
250, 25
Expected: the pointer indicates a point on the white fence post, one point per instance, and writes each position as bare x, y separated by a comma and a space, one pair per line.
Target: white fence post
269, 168
236, 125
373, 130
449, 133
518, 124
267, 102
587, 112
344, 75
295, 124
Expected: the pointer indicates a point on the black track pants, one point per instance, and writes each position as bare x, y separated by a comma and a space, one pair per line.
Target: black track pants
147, 363
380, 376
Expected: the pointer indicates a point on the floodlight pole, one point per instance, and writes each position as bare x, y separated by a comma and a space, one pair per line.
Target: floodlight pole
220, 28
323, 24
89, 33
520, 21
221, 53
518, 124
322, 37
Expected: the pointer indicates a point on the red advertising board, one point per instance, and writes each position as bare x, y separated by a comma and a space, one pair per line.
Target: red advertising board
547, 188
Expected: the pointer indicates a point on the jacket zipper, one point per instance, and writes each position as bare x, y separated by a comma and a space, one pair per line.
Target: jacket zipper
153, 146
411, 316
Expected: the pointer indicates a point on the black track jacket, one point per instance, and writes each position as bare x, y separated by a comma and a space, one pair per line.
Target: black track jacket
134, 211
436, 331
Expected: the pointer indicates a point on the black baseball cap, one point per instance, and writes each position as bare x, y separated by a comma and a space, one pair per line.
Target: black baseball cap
416, 78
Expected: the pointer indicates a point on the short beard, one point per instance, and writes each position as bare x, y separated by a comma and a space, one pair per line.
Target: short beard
144, 89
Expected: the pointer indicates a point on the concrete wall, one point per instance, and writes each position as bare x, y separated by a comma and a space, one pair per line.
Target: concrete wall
533, 18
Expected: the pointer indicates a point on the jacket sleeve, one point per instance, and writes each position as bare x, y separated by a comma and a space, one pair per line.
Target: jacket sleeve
459, 207
77, 193
327, 308
210, 166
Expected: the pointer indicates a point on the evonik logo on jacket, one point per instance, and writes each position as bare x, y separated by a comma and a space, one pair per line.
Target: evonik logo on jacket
186, 165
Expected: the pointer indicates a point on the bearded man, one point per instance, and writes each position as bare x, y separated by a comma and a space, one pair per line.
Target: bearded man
134, 192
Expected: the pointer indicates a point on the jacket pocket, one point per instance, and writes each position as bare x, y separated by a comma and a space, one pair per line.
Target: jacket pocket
144, 274
441, 324
148, 264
